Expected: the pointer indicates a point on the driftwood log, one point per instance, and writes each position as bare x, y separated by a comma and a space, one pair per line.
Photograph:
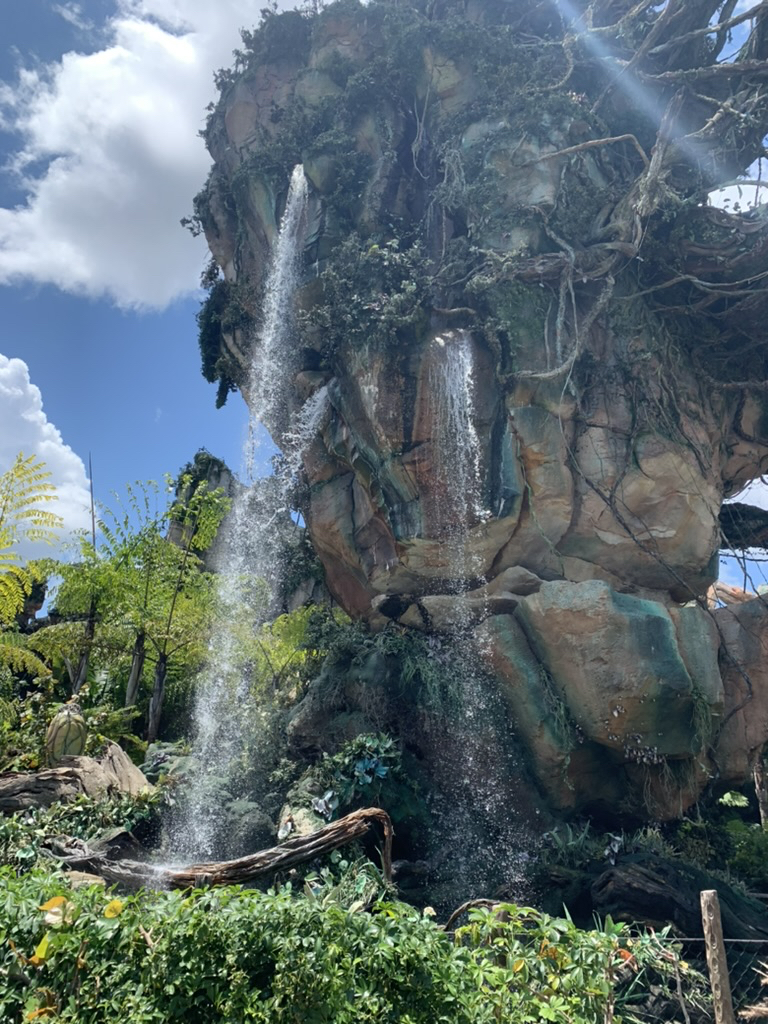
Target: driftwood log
655, 892
133, 874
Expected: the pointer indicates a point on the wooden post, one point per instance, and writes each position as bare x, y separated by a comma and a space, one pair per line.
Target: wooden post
718, 966
761, 787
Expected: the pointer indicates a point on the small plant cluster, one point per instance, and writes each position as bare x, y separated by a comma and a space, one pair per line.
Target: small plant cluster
229, 954
372, 292
722, 843
356, 775
22, 835
425, 666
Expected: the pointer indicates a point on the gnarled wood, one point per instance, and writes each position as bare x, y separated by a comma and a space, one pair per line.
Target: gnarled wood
659, 892
135, 875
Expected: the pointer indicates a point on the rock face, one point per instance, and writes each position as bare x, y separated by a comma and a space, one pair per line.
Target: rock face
111, 774
515, 441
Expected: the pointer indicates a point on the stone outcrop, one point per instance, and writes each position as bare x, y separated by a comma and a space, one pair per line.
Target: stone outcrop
577, 539
109, 775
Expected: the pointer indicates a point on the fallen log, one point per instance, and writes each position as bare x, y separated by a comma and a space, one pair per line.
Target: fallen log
651, 890
133, 874
659, 892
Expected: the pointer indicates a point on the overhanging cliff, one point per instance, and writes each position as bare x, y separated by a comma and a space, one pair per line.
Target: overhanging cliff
535, 353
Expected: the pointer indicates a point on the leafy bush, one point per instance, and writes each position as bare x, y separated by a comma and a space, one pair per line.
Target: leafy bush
366, 772
749, 856
234, 955
22, 834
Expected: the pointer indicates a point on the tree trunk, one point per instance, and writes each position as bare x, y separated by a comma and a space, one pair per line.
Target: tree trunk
156, 701
137, 667
135, 875
82, 668
658, 891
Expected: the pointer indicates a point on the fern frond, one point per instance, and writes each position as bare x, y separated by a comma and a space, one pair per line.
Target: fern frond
23, 489
15, 654
14, 587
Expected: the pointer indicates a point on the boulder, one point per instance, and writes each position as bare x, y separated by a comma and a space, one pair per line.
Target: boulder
109, 775
614, 661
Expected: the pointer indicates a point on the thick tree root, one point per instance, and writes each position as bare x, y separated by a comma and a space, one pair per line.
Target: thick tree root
135, 874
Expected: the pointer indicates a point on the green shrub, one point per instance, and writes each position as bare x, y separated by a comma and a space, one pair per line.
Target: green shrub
749, 856
22, 834
233, 955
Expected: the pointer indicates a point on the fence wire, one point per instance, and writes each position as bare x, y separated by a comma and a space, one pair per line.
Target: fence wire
748, 971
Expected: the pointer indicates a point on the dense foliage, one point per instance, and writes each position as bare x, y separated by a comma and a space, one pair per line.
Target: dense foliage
233, 955
23, 835
129, 617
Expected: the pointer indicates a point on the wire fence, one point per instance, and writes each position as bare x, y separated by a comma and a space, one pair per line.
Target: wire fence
748, 978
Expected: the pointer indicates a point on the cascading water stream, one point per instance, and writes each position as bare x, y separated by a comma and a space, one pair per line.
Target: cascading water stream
272, 358
481, 755
249, 551
457, 450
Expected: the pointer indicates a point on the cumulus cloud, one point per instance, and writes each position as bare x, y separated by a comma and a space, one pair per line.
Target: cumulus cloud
109, 154
25, 427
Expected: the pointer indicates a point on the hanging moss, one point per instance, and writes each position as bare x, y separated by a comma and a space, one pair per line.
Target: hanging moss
220, 312
372, 292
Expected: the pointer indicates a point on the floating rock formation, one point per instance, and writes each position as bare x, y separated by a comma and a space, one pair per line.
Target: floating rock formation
470, 190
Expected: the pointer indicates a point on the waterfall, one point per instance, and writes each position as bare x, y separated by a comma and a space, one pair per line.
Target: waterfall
479, 747
456, 447
249, 554
271, 357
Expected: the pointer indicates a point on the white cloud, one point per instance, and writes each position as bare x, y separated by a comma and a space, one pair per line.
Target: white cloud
110, 157
73, 13
25, 427
755, 493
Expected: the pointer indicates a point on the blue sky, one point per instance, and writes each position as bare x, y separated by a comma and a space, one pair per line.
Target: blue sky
100, 105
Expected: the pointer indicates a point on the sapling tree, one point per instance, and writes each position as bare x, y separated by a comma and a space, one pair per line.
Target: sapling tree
151, 595
198, 515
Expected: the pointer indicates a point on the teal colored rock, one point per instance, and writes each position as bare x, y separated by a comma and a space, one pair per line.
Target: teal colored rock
572, 773
617, 666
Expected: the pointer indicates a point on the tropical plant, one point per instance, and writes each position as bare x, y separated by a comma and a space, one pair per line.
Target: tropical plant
25, 490
86, 956
147, 595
